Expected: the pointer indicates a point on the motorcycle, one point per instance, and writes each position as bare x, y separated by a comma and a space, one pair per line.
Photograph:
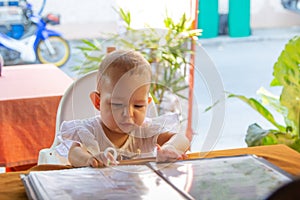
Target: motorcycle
24, 36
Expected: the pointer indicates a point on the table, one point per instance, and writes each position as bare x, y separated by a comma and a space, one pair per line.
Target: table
29, 98
282, 156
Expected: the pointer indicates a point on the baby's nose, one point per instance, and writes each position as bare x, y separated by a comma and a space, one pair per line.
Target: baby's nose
128, 111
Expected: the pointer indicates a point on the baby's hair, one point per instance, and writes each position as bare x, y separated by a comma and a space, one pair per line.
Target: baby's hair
120, 62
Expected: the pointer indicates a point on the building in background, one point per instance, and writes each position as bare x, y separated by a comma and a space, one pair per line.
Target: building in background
94, 17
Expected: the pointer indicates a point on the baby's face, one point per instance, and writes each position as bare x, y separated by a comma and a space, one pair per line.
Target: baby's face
124, 103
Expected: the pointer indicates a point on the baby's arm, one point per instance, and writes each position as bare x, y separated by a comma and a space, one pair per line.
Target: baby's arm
79, 157
172, 146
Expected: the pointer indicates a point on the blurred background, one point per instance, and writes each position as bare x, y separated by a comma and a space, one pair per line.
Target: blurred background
95, 17
242, 38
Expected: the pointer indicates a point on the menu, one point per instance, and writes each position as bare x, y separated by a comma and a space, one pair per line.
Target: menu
235, 177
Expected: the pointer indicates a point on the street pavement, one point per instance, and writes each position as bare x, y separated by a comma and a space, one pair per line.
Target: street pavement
243, 65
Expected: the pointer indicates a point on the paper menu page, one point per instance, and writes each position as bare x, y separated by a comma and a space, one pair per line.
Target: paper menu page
121, 182
240, 177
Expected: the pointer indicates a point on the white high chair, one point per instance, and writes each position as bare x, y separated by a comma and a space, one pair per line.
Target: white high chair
76, 104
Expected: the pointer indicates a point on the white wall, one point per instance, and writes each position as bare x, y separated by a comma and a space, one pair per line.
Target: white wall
267, 14
270, 13
82, 18
92, 18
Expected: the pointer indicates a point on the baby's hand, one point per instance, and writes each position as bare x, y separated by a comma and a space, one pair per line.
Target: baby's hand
168, 153
102, 160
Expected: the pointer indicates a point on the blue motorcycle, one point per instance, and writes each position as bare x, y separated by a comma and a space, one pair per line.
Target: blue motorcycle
25, 38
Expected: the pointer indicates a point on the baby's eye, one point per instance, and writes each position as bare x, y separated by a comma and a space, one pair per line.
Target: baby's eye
139, 106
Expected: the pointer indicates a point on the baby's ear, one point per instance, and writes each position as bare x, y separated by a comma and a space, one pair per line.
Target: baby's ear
95, 98
149, 99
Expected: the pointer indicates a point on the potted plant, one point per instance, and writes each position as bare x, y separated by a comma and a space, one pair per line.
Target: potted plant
287, 76
167, 50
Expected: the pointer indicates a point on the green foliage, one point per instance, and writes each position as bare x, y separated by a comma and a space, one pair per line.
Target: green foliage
258, 136
167, 50
126, 16
259, 108
286, 75
91, 51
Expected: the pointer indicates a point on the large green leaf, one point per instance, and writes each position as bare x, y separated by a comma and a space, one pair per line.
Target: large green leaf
269, 99
287, 74
259, 108
257, 136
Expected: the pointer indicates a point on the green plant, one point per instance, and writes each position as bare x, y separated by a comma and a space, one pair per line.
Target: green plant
167, 50
286, 75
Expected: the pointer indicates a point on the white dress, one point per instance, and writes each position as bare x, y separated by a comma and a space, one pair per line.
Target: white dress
90, 135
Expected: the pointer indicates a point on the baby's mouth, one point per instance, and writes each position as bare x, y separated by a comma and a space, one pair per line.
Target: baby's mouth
127, 126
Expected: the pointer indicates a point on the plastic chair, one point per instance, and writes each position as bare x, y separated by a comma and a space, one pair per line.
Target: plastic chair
76, 104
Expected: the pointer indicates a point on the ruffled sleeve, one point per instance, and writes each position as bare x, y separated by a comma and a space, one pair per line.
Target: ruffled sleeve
80, 131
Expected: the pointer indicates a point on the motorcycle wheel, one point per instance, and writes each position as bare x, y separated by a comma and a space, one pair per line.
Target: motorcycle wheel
61, 48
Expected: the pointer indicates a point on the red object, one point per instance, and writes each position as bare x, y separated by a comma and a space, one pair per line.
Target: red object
52, 19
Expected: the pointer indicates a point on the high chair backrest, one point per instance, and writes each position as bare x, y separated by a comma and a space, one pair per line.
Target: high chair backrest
75, 103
